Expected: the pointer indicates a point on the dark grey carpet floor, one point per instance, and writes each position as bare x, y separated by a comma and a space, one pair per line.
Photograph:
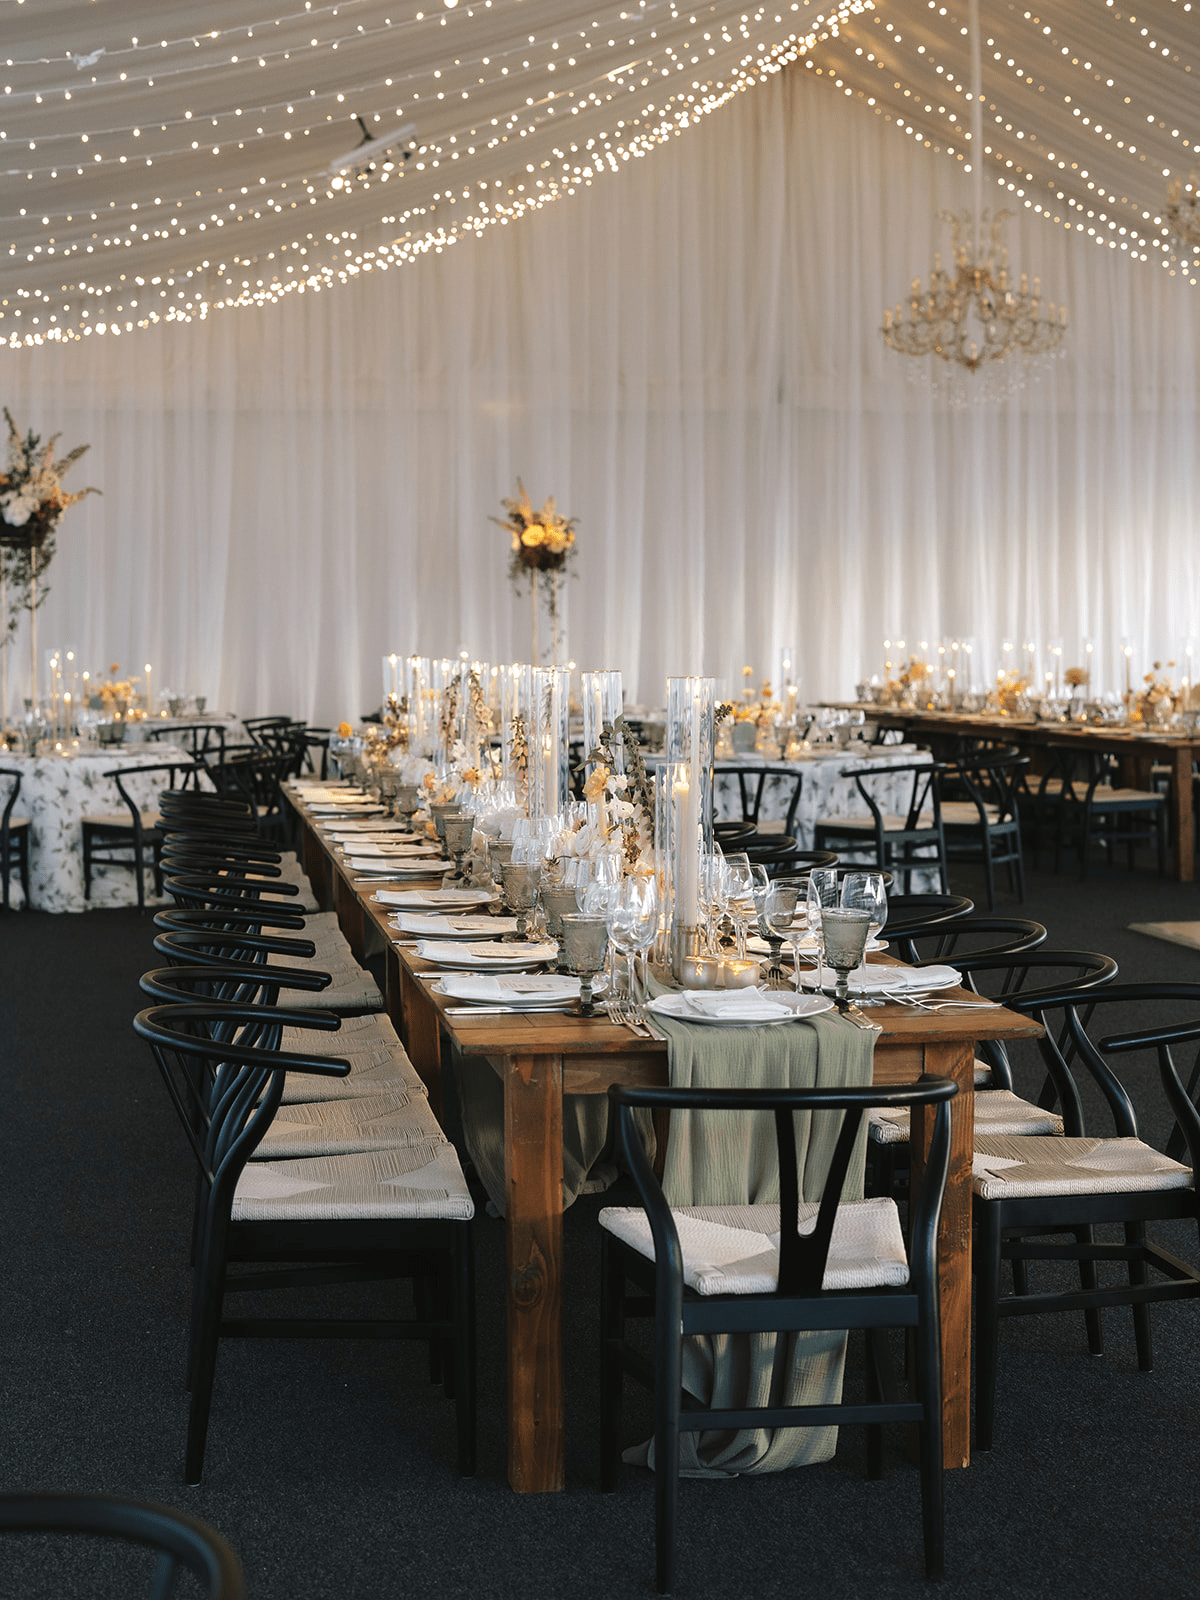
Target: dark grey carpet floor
330, 1467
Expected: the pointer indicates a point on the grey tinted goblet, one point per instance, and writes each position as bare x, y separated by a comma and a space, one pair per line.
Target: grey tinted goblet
520, 879
584, 947
457, 832
408, 802
845, 933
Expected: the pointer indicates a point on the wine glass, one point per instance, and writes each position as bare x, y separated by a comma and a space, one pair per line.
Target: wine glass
741, 880
866, 891
777, 907
712, 894
799, 925
632, 919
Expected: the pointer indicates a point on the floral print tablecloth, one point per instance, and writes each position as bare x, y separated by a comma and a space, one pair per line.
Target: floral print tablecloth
57, 792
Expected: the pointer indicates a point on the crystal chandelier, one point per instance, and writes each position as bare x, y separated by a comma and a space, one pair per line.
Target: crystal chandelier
975, 317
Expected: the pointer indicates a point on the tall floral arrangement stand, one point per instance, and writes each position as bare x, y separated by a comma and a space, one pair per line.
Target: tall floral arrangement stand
543, 545
32, 500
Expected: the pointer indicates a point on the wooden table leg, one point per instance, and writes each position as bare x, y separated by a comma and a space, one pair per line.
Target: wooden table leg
316, 864
350, 915
420, 1032
1182, 821
533, 1190
955, 1061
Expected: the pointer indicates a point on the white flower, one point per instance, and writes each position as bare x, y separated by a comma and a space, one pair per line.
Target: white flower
17, 508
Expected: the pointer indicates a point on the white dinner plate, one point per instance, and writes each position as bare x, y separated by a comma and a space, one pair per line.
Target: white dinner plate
760, 947
376, 866
797, 1006
433, 899
882, 980
485, 957
525, 992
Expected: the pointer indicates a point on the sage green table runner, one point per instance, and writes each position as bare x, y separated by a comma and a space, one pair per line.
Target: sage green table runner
729, 1159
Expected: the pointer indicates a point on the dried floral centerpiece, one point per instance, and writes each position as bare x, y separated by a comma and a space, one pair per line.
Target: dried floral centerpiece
543, 545
32, 499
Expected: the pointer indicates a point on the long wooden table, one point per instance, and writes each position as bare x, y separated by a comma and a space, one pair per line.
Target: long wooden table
541, 1058
1139, 752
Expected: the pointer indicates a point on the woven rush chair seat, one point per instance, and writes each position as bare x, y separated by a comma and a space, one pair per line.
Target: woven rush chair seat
352, 989
997, 1111
421, 1180
120, 819
378, 1061
891, 823
735, 1249
964, 812
1007, 1168
387, 1120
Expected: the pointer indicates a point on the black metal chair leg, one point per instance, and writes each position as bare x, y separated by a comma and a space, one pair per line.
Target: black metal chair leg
987, 1323
1135, 1234
1093, 1320
612, 1300
668, 1383
464, 1350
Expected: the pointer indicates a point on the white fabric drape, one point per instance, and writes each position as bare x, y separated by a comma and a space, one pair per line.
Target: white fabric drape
688, 356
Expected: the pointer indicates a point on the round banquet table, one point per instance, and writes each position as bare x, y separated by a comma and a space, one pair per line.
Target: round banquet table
57, 792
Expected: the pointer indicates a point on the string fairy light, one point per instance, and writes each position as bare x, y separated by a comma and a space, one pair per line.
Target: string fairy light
162, 176
158, 175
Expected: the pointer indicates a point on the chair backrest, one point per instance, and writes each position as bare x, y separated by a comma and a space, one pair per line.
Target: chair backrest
752, 785
179, 1539
1076, 1023
909, 914
6, 814
201, 738
226, 1092
246, 946
207, 891
802, 1257
189, 919
976, 936
924, 795
990, 779
187, 771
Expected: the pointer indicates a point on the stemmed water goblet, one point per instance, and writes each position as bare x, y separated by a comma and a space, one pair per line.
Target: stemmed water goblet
458, 832
822, 894
584, 950
712, 894
408, 803
520, 880
742, 879
867, 891
844, 933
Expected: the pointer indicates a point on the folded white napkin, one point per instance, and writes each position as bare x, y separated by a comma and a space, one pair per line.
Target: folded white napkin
510, 987
880, 979
433, 899
740, 1005
451, 950
424, 867
440, 927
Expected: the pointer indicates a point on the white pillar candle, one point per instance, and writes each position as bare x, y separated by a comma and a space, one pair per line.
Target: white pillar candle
686, 798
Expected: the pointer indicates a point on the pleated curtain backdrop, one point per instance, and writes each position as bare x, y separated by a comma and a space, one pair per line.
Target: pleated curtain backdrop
689, 357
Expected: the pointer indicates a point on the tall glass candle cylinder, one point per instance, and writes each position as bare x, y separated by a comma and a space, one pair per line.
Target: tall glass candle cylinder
476, 714
602, 704
548, 744
445, 688
691, 704
393, 677
516, 703
416, 687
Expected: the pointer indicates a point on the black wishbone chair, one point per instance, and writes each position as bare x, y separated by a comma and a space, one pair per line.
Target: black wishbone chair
752, 783
400, 1213
892, 841
998, 975
180, 1541
1027, 1191
129, 838
847, 1269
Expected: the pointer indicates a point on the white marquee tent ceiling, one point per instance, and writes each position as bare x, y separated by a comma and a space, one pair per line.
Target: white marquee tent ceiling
148, 173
